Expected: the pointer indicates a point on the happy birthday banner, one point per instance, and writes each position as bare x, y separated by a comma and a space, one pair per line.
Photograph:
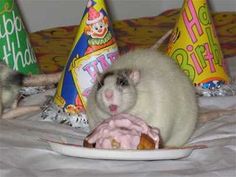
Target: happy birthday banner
15, 47
194, 44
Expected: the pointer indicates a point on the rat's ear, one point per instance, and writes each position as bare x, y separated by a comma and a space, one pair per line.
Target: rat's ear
135, 76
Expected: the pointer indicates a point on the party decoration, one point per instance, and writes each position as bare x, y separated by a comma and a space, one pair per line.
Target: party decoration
194, 45
15, 47
93, 51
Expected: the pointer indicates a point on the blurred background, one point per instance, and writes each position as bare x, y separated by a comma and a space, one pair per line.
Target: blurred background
43, 14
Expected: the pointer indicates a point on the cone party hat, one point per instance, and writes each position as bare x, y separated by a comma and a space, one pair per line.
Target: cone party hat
15, 47
93, 51
194, 44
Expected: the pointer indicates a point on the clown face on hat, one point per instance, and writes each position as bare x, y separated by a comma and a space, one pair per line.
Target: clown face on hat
97, 30
97, 23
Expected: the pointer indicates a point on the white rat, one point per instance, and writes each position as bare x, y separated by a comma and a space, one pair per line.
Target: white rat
149, 85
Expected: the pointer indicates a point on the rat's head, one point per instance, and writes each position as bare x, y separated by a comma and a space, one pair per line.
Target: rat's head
10, 82
116, 90
8, 76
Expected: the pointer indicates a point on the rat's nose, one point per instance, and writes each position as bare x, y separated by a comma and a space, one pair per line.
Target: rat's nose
108, 93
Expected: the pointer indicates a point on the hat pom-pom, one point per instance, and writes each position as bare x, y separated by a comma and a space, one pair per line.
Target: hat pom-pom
90, 3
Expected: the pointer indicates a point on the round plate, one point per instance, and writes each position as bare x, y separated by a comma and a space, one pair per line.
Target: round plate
93, 153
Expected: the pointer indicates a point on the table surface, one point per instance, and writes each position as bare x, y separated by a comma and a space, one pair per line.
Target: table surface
52, 46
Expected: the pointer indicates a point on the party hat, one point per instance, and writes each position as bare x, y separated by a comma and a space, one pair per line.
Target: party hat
15, 47
93, 51
194, 45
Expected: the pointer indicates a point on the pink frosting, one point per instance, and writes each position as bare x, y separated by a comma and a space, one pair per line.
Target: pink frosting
125, 129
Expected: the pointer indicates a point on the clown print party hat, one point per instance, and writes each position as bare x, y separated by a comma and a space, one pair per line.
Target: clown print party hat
15, 47
93, 51
195, 46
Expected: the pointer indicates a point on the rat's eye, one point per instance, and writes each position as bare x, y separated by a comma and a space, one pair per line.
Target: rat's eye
122, 81
101, 81
99, 86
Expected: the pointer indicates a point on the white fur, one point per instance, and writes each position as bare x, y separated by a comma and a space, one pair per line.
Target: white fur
165, 96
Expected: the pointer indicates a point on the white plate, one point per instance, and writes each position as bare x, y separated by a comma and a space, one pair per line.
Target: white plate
92, 153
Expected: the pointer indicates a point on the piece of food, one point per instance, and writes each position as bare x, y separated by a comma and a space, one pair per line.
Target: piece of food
123, 131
